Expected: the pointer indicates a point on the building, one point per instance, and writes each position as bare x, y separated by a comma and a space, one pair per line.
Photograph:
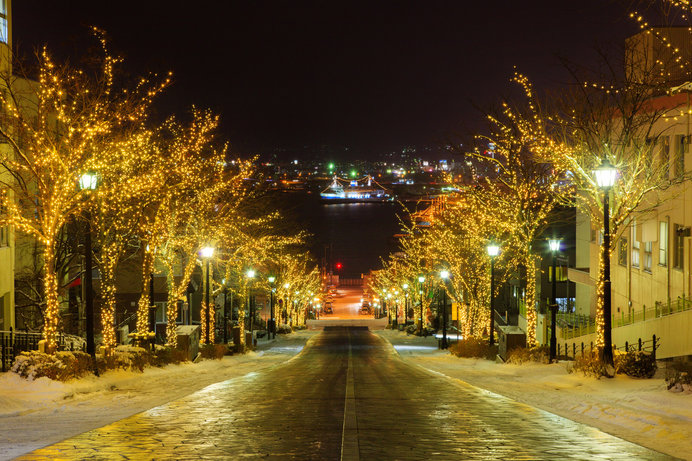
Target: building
7, 246
652, 259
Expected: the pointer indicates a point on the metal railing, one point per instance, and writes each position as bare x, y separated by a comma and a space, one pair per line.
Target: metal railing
566, 350
13, 342
659, 309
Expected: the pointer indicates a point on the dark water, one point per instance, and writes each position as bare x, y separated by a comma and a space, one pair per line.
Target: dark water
356, 235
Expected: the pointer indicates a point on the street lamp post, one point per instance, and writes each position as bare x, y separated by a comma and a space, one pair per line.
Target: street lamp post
250, 274
444, 275
389, 309
605, 177
286, 301
405, 287
272, 321
554, 248
88, 181
225, 312
421, 280
493, 251
207, 252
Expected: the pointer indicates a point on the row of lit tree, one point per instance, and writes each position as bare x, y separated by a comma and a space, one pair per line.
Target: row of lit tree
83, 148
537, 156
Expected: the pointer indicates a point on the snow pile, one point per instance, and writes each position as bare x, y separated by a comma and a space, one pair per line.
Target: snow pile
642, 411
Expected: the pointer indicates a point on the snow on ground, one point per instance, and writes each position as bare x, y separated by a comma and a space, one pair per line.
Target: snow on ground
39, 413
42, 412
639, 410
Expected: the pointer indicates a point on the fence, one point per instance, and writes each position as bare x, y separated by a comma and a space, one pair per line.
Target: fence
564, 349
573, 325
659, 309
13, 342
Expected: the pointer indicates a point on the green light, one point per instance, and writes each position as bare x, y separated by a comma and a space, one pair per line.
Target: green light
354, 173
330, 166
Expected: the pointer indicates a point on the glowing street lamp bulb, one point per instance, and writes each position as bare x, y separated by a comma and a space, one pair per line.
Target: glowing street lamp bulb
421, 279
271, 279
286, 285
405, 286
250, 273
493, 250
88, 181
207, 252
444, 274
605, 174
554, 245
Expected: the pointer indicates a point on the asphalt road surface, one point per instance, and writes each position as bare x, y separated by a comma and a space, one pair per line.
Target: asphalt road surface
347, 396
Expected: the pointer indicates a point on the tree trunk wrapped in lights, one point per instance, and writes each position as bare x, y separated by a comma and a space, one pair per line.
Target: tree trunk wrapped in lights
144, 302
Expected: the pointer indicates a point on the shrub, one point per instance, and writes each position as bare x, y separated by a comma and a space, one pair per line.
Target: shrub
413, 330
679, 376
299, 327
637, 364
519, 355
590, 365
284, 329
213, 351
473, 348
62, 366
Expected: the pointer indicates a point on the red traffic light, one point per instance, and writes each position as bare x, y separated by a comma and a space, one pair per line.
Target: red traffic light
338, 266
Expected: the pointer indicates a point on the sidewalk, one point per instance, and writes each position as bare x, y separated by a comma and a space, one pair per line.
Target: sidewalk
39, 413
638, 410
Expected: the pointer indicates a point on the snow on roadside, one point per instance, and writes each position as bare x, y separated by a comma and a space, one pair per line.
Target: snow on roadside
639, 410
37, 413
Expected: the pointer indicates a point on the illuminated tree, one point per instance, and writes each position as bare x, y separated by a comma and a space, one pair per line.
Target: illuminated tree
68, 122
521, 188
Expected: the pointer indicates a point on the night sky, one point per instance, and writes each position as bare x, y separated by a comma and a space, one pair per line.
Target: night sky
370, 75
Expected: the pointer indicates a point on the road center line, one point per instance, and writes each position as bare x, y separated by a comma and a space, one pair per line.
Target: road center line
349, 434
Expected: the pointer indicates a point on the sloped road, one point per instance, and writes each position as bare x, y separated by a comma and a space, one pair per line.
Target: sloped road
347, 396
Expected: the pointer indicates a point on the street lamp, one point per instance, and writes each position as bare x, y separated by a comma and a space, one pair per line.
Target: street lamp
444, 275
554, 248
250, 274
396, 307
421, 280
605, 178
284, 307
88, 182
493, 250
225, 312
272, 322
405, 287
206, 253
389, 310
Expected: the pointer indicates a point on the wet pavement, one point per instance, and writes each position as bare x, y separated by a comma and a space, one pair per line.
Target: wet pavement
347, 396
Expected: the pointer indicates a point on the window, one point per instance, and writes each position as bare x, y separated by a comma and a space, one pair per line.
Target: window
679, 245
664, 151
680, 145
663, 243
635, 253
3, 21
622, 254
4, 230
649, 151
561, 273
648, 257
